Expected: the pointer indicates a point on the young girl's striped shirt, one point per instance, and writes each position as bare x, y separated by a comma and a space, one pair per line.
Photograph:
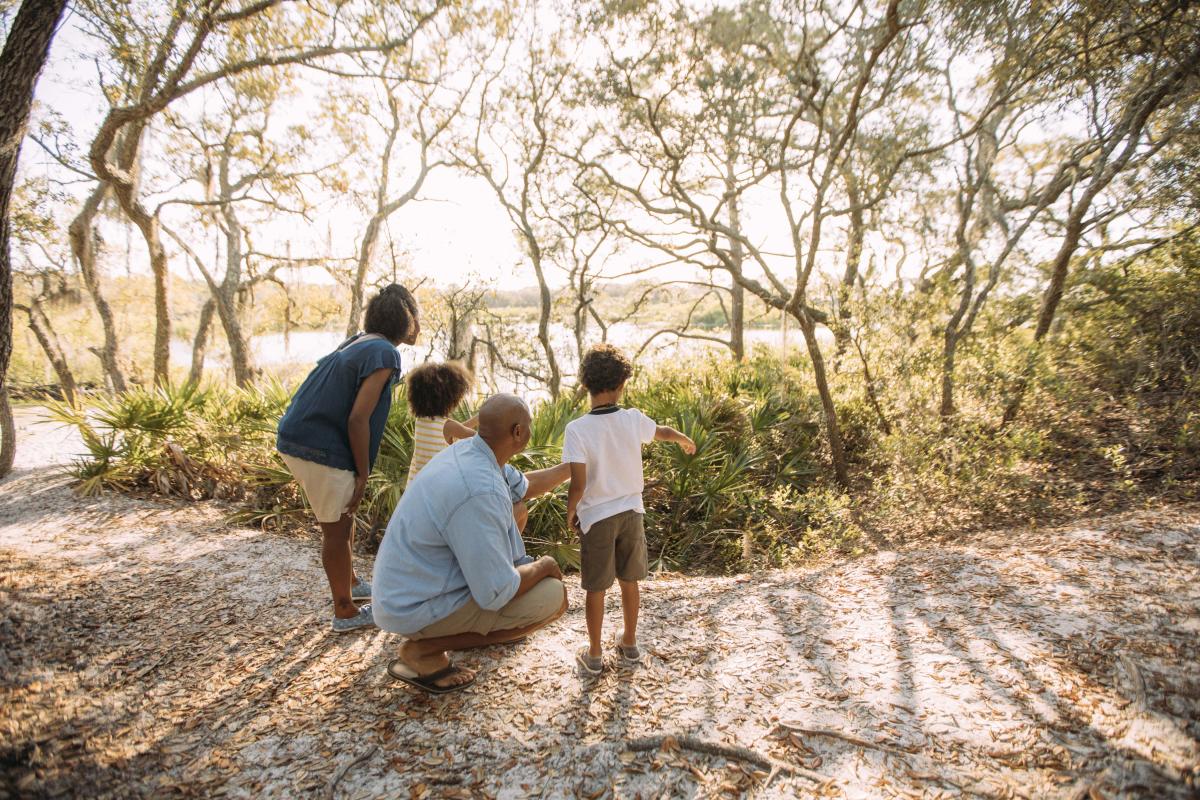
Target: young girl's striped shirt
429, 439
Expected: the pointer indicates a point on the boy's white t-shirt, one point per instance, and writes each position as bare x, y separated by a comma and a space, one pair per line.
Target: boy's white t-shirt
610, 444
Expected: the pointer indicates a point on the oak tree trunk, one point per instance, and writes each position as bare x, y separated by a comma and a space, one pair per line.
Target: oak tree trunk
840, 319
83, 247
200, 343
366, 254
21, 62
554, 378
737, 301
833, 431
42, 329
126, 192
737, 316
227, 306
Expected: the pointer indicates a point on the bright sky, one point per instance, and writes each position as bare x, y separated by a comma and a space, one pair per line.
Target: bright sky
457, 232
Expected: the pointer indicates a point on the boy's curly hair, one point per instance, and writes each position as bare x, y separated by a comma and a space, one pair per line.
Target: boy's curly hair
604, 368
434, 390
391, 313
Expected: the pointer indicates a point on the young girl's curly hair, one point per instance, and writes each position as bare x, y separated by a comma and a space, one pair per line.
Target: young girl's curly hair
604, 368
435, 390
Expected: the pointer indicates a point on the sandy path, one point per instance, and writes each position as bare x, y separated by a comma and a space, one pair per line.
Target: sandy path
149, 650
42, 442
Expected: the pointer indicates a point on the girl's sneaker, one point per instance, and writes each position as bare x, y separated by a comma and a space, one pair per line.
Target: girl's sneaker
360, 590
363, 619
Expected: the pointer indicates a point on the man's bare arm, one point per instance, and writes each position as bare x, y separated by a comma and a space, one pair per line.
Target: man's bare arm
533, 574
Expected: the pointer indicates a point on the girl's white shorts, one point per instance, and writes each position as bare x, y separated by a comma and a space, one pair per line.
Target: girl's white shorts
328, 489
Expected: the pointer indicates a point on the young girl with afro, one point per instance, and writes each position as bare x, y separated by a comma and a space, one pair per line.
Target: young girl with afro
434, 391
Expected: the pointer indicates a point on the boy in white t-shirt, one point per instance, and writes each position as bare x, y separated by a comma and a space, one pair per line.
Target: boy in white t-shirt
604, 502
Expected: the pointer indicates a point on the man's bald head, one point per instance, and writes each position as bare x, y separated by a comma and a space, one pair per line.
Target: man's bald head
504, 424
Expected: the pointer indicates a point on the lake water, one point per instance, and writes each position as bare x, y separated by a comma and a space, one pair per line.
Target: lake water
287, 355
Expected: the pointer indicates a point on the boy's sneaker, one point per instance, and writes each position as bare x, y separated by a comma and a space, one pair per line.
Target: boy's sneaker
360, 590
592, 665
629, 652
363, 619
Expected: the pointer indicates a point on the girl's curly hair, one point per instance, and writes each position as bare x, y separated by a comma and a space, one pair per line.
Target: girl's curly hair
434, 390
604, 368
391, 313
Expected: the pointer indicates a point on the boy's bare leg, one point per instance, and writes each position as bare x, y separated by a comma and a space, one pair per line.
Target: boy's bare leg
335, 557
427, 656
631, 598
593, 611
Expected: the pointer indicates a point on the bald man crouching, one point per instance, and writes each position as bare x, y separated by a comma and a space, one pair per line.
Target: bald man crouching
452, 573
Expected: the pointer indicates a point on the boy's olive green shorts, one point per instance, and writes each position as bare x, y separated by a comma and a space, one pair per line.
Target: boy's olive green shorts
614, 547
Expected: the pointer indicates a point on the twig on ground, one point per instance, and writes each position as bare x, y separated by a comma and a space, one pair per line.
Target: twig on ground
846, 737
962, 783
725, 751
444, 779
146, 670
1082, 790
1136, 683
341, 773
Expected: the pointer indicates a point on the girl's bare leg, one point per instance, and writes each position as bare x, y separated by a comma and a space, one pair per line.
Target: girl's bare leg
335, 557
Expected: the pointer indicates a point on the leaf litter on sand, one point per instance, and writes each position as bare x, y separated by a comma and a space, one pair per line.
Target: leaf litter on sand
149, 649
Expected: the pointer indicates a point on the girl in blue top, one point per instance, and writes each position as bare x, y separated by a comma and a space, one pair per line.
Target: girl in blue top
330, 435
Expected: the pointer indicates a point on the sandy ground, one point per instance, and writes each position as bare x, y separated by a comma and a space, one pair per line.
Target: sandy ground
151, 650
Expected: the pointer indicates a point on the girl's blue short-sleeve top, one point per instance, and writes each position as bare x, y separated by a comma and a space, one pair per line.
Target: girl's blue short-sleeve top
315, 426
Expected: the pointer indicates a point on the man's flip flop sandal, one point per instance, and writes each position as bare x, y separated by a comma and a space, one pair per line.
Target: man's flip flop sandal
401, 671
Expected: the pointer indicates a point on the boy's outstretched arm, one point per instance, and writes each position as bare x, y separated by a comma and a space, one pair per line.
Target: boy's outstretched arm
575, 493
543, 480
665, 433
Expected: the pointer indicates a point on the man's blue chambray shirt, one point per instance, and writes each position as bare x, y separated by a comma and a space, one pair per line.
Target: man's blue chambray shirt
451, 538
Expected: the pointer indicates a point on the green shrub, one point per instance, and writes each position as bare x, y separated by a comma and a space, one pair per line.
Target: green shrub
187, 441
1128, 363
